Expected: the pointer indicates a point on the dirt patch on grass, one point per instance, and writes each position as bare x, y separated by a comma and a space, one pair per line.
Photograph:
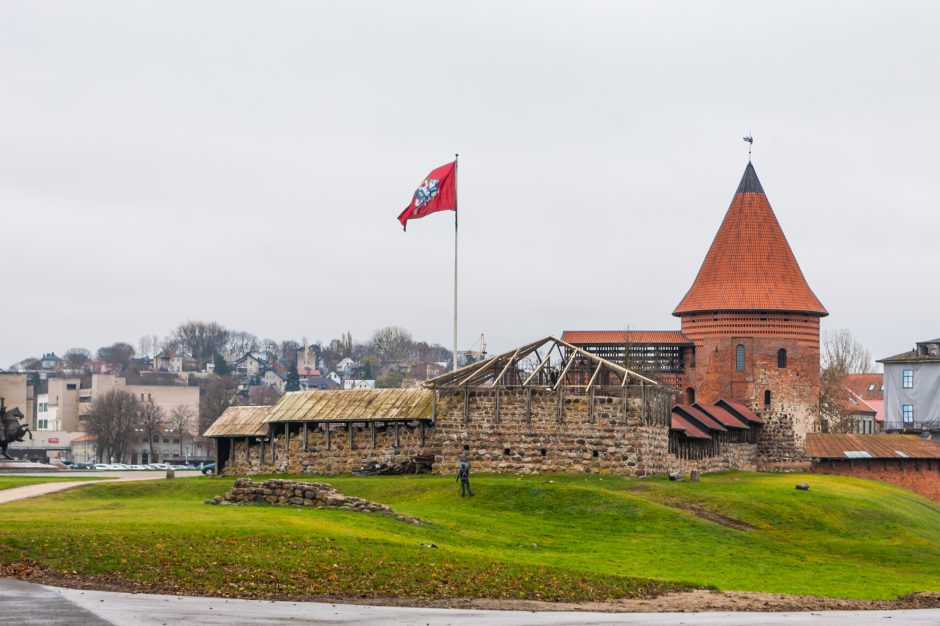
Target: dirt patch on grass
718, 518
701, 600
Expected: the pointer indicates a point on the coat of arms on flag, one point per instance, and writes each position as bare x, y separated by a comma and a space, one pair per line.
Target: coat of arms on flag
438, 192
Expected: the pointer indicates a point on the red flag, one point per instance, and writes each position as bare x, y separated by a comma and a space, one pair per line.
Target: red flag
438, 192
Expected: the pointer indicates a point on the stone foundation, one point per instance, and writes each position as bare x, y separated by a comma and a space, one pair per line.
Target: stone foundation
294, 493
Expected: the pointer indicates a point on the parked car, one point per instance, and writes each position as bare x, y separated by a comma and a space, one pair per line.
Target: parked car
102, 466
208, 469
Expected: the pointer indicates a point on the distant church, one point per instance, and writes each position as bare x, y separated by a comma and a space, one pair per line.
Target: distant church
750, 331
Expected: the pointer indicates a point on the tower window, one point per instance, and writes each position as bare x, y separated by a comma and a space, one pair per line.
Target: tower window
767, 398
739, 358
907, 379
781, 358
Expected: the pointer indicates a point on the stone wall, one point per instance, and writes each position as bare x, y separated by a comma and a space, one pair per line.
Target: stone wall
294, 493
539, 430
344, 452
921, 477
533, 430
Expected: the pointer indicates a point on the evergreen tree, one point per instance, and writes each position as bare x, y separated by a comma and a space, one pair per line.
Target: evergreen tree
293, 379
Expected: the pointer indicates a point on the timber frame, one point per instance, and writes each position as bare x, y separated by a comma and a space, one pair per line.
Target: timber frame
547, 363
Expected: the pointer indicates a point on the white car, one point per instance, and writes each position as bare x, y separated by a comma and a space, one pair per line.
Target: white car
102, 466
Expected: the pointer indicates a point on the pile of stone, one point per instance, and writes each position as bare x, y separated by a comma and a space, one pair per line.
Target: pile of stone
296, 493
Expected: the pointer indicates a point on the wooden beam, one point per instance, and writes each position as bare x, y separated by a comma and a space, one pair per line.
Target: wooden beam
305, 436
594, 377
328, 427
372, 425
548, 356
565, 371
502, 372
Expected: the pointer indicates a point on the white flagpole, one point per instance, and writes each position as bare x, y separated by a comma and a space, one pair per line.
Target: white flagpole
455, 261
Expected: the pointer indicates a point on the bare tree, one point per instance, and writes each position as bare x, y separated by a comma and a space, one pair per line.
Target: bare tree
240, 342
119, 353
203, 340
113, 419
75, 358
181, 418
841, 351
392, 343
152, 421
148, 345
841, 355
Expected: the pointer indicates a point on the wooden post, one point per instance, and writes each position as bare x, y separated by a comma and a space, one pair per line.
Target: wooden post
327, 426
261, 453
305, 436
397, 438
466, 406
287, 441
351, 442
372, 432
496, 411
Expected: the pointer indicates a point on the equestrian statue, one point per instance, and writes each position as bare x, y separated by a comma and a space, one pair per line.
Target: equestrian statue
10, 428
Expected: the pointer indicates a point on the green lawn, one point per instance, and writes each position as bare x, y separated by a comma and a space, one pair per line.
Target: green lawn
538, 537
8, 482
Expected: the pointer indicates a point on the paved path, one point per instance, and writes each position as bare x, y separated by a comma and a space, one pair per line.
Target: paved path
41, 489
31, 604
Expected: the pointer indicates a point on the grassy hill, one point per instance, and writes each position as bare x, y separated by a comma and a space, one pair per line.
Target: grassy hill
535, 537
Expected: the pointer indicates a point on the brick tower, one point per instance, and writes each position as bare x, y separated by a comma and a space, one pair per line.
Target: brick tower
755, 324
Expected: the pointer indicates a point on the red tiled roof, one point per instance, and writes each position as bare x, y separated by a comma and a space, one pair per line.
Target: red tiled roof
854, 403
860, 383
698, 416
739, 410
750, 265
826, 446
690, 430
721, 415
580, 337
879, 406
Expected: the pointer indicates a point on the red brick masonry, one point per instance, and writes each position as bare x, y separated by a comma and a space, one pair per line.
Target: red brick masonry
917, 475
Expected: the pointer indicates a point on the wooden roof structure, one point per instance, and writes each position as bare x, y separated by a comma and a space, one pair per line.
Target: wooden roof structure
530, 365
353, 405
240, 421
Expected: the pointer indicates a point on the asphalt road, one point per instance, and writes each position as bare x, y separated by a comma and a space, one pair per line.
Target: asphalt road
31, 604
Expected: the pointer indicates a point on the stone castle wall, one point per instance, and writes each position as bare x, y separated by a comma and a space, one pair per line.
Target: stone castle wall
343, 453
526, 431
533, 430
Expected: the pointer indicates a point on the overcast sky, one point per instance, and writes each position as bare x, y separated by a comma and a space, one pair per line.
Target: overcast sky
245, 162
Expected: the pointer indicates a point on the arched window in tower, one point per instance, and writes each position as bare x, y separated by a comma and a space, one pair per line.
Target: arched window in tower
739, 358
781, 358
767, 398
690, 395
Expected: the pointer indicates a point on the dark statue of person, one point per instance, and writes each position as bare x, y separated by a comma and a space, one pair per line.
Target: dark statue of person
10, 428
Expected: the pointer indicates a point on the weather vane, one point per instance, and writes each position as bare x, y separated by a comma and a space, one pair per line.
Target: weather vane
750, 144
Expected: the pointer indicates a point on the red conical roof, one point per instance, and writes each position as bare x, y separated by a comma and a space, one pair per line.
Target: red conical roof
750, 265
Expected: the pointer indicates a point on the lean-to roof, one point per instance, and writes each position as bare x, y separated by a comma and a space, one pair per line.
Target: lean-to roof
240, 421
